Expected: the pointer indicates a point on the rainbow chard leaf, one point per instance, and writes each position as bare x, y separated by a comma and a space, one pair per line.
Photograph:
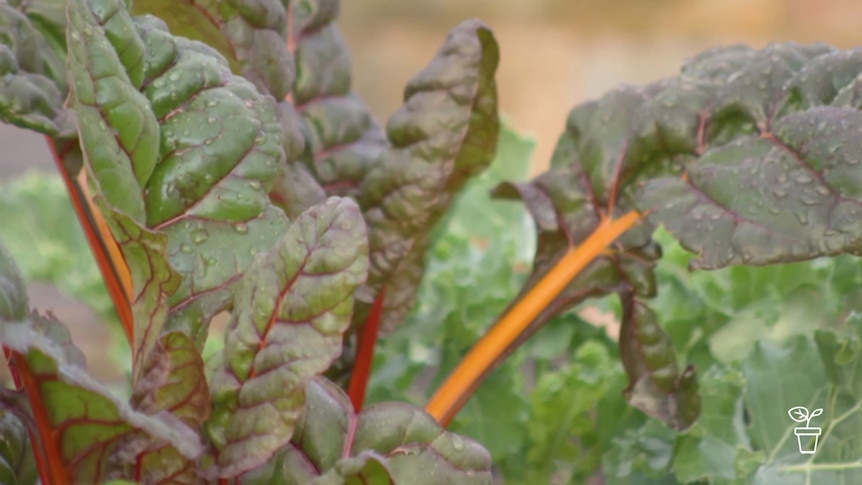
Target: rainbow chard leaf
32, 71
252, 35
388, 443
78, 423
747, 157
656, 386
445, 133
344, 141
17, 463
291, 309
185, 148
173, 382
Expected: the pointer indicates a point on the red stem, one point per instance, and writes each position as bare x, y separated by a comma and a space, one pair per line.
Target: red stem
96, 238
365, 353
49, 460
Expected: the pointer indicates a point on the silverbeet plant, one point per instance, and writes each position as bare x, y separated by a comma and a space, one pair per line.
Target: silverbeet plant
219, 163
223, 165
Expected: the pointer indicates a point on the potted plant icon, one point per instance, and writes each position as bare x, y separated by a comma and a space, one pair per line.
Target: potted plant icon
800, 414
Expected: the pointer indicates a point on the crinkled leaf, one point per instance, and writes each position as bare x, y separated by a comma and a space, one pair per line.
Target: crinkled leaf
221, 148
656, 385
386, 443
747, 157
32, 71
174, 382
118, 130
17, 464
87, 423
250, 34
291, 309
344, 142
14, 304
562, 433
445, 133
217, 147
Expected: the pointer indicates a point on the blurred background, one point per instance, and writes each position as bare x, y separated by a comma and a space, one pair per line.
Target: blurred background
555, 53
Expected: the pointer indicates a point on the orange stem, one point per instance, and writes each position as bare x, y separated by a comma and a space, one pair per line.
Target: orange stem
479, 362
365, 353
108, 257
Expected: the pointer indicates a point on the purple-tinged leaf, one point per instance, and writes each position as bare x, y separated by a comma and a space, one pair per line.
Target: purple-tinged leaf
153, 280
402, 443
445, 132
174, 382
32, 71
291, 309
344, 141
88, 424
656, 385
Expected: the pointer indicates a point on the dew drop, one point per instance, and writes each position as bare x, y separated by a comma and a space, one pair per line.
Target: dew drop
779, 193
174, 76
774, 211
210, 261
822, 190
240, 227
200, 236
802, 218
803, 179
254, 184
852, 162
212, 119
259, 140
810, 201
715, 216
186, 248
457, 443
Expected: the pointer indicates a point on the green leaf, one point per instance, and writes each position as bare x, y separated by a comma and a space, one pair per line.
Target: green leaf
32, 48
820, 381
562, 433
17, 461
87, 422
344, 142
14, 303
291, 309
250, 34
710, 448
445, 133
118, 129
221, 148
